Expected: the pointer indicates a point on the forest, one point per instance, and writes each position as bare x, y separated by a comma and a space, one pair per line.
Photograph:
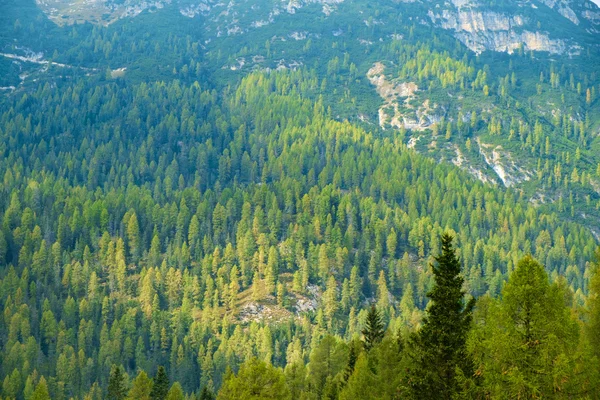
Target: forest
176, 225
132, 247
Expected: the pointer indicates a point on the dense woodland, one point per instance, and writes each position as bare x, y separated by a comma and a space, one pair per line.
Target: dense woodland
179, 233
134, 246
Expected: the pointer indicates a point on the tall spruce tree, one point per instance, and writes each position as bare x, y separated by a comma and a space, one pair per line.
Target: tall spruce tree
116, 384
160, 389
439, 348
373, 331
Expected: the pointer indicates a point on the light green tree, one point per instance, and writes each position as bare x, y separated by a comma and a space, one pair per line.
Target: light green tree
255, 380
527, 344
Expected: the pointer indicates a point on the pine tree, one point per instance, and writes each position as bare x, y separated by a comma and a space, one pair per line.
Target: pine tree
255, 380
116, 384
133, 236
160, 389
374, 330
440, 345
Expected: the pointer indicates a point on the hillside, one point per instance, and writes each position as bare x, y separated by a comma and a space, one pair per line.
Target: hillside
197, 184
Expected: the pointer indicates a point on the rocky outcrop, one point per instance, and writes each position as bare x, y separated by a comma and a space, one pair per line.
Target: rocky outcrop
510, 41
328, 5
103, 12
481, 31
564, 8
503, 164
397, 96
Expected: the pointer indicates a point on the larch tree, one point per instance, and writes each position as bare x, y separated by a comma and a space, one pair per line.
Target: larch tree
41, 391
140, 388
255, 380
527, 344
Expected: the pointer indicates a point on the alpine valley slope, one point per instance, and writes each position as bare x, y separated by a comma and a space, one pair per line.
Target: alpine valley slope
194, 184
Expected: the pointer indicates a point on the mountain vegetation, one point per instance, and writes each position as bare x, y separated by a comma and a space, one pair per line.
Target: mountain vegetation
176, 224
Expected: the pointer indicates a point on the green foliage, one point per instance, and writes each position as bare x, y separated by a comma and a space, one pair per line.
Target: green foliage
193, 216
362, 383
593, 306
140, 387
440, 345
160, 387
374, 329
206, 394
176, 392
116, 384
255, 380
327, 362
528, 344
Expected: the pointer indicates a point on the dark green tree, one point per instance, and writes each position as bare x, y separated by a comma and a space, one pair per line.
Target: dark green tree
160, 388
206, 394
374, 330
116, 384
440, 346
352, 357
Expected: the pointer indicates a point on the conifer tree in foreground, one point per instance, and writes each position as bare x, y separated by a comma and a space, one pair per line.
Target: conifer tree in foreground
374, 329
439, 348
529, 346
116, 384
160, 389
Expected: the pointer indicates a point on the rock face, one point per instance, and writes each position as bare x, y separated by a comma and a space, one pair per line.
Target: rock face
503, 164
481, 30
480, 26
101, 12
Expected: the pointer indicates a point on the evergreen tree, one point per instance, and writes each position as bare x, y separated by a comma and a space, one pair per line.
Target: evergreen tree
255, 380
362, 384
440, 346
140, 388
352, 357
116, 384
176, 392
160, 388
528, 344
41, 391
206, 394
373, 331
